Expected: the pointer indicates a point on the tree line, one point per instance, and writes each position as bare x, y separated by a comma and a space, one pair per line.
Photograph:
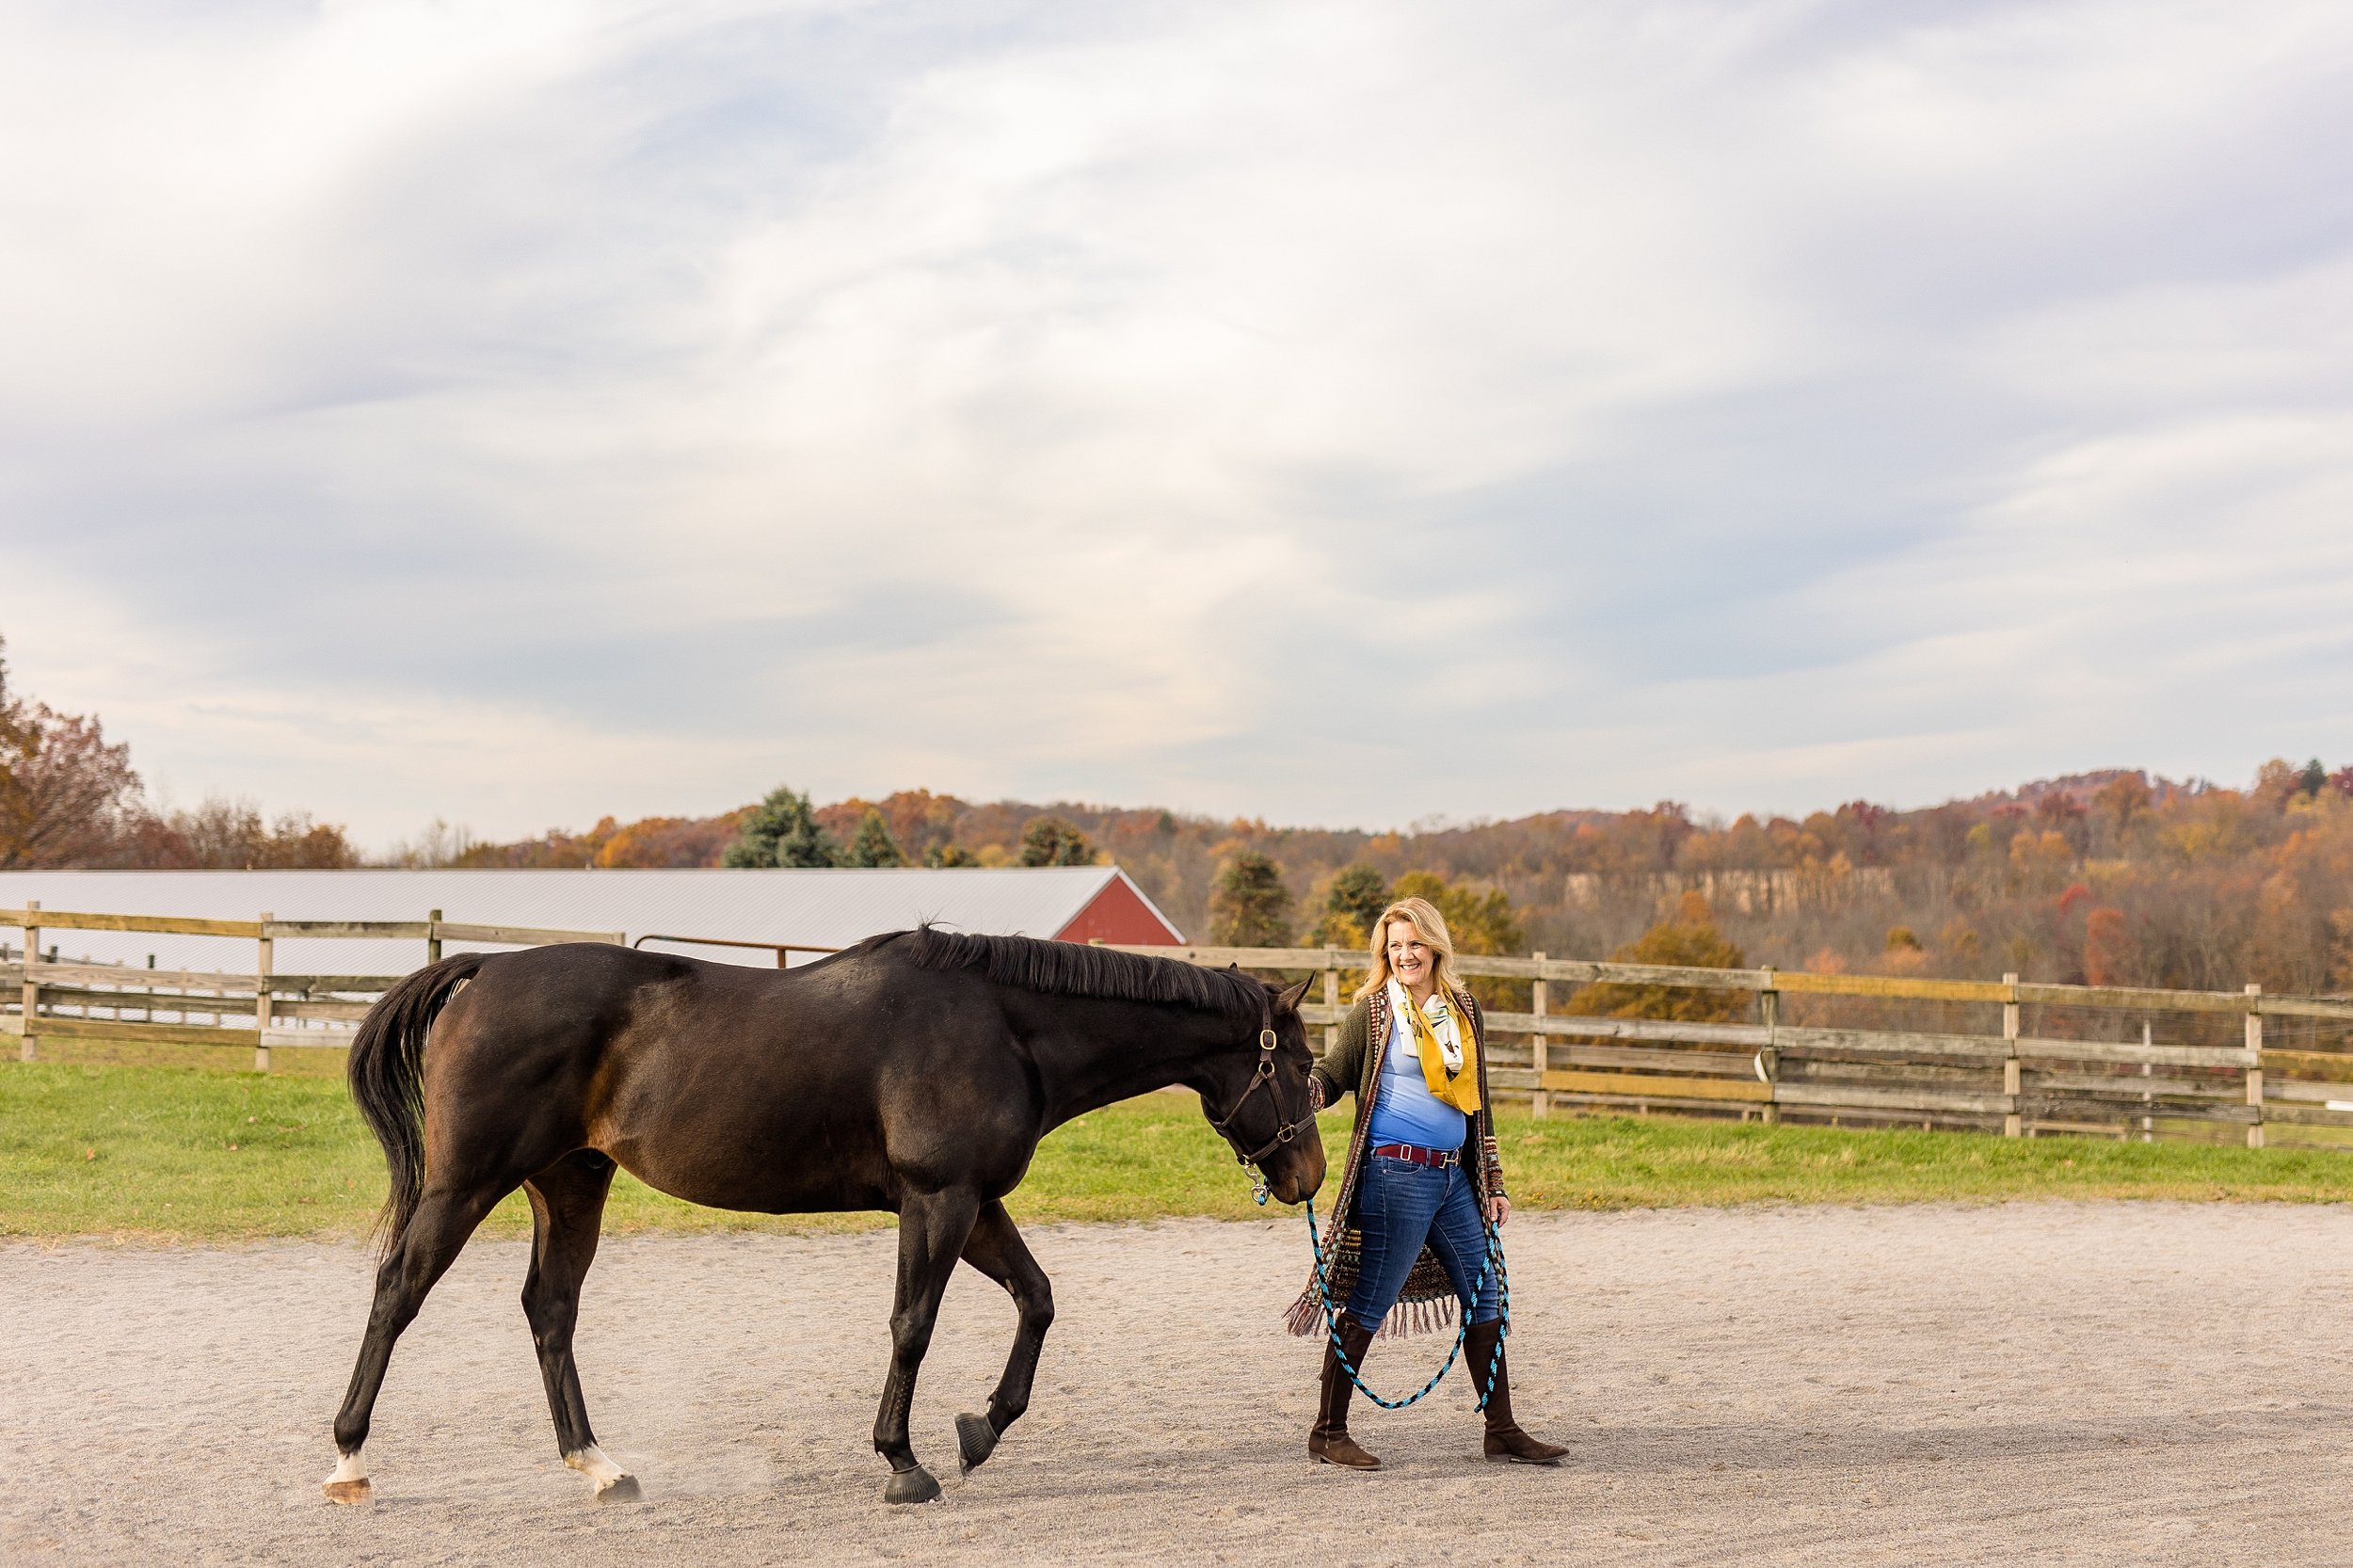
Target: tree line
2109, 877
2103, 878
69, 798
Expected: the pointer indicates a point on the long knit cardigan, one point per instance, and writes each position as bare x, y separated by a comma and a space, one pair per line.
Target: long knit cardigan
1428, 1301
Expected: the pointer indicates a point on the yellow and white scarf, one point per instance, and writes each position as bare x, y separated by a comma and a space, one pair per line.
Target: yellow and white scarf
1449, 1047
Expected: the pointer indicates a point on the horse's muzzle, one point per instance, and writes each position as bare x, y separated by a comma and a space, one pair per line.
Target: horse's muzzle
1297, 1174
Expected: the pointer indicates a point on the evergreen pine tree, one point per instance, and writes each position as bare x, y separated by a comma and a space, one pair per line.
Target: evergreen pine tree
873, 845
782, 830
1479, 920
1354, 901
1251, 907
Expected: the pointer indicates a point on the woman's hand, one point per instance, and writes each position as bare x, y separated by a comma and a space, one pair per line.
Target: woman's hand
1498, 1209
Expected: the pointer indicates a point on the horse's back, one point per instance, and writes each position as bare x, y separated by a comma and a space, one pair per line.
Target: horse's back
826, 1087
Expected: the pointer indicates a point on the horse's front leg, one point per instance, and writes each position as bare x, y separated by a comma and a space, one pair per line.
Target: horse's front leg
996, 1249
932, 1231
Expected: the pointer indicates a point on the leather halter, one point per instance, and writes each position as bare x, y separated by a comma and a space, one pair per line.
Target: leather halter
1262, 1077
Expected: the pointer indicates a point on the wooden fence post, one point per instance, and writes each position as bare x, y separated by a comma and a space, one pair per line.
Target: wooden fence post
261, 969
25, 1049
2013, 1122
1768, 1060
1539, 1053
2255, 1072
432, 938
2147, 1123
1332, 1000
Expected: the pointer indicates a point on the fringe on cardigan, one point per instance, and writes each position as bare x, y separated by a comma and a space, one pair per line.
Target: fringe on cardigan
1426, 1306
1305, 1317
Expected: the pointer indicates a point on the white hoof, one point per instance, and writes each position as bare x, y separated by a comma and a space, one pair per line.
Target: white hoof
614, 1484
349, 1483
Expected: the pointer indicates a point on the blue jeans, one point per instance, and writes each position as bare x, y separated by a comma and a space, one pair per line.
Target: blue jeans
1399, 1206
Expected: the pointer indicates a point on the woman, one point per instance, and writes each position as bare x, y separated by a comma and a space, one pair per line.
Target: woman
1422, 1169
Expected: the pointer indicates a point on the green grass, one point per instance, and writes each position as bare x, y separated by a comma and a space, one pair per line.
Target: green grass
1659, 1163
200, 1154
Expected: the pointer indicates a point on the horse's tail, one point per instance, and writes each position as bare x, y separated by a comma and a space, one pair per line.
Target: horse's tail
387, 1079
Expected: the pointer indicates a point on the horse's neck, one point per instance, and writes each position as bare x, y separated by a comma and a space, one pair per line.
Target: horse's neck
1126, 1050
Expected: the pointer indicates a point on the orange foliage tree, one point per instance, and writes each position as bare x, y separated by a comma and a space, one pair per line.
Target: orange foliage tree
1688, 940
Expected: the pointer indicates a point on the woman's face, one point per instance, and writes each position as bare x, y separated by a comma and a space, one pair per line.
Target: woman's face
1409, 955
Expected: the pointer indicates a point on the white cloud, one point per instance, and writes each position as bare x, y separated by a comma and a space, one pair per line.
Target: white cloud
1761, 405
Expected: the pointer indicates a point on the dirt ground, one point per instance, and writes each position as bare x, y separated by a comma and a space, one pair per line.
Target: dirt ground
2049, 1383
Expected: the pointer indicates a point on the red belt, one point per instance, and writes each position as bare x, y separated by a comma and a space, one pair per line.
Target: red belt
1416, 1155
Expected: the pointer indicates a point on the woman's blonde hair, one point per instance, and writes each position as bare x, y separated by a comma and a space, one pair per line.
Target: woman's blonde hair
1429, 925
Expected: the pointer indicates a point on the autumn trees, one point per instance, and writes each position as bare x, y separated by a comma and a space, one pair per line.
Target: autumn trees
1686, 939
787, 829
2112, 876
69, 798
1053, 842
1252, 907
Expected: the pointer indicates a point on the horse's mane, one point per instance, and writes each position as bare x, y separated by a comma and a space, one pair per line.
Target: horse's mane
1076, 970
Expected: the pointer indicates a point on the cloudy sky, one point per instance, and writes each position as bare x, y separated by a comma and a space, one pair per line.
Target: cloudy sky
519, 410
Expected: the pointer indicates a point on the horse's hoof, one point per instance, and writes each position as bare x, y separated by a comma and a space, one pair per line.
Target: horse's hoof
911, 1486
975, 1441
346, 1490
620, 1489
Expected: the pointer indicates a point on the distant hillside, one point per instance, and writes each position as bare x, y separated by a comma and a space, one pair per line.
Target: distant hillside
2108, 876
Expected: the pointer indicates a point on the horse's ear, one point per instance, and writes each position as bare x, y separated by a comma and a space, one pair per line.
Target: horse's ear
1290, 996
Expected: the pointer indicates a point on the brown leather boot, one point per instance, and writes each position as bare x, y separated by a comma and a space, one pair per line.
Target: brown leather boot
1506, 1442
1328, 1441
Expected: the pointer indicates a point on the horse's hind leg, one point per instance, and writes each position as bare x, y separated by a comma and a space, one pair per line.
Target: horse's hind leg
423, 1252
933, 1227
997, 1250
567, 1207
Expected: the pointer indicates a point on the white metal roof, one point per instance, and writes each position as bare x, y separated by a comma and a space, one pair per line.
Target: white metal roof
820, 907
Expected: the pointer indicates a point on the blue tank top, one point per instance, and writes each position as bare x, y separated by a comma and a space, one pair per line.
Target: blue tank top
1406, 1112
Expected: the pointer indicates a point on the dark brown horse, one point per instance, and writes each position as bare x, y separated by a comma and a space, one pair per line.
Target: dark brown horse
914, 1073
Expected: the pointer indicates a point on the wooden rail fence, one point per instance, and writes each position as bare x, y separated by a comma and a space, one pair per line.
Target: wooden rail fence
2078, 1077
1973, 1066
119, 1002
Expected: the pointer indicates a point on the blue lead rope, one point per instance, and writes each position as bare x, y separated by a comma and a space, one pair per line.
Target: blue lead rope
1492, 1263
